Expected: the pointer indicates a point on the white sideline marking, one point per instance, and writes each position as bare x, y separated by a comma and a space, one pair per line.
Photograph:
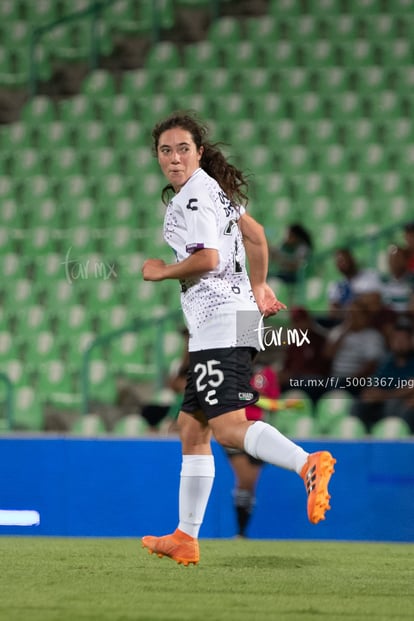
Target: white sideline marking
19, 518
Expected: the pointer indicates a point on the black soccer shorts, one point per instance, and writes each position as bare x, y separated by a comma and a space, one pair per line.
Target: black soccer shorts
218, 381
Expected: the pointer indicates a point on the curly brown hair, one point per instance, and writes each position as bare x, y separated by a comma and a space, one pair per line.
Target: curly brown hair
231, 180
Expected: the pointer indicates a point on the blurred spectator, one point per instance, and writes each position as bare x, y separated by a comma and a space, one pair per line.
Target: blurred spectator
305, 362
398, 284
292, 254
391, 389
381, 316
356, 280
409, 240
354, 348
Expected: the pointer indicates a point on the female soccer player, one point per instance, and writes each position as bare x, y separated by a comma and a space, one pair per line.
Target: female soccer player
210, 232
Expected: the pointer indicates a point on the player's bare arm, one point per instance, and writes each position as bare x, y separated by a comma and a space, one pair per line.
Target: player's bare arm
197, 264
255, 243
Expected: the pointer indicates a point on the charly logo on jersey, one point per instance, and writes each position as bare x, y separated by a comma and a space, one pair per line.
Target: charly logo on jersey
192, 204
246, 396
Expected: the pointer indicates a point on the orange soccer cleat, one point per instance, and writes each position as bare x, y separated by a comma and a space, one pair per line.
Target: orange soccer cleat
316, 474
179, 546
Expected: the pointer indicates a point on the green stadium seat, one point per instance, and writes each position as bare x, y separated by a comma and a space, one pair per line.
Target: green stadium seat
403, 159
116, 108
28, 411
139, 82
332, 407
8, 347
99, 83
348, 428
270, 186
77, 108
281, 54
403, 79
225, 29
395, 53
315, 286
293, 81
231, 107
152, 109
357, 133
297, 426
9, 11
137, 159
202, 55
284, 8
163, 55
306, 187
119, 211
343, 27
51, 135
380, 26
304, 28
318, 54
63, 161
268, 106
294, 159
395, 132
391, 428
89, 134
38, 109
331, 80
89, 425
367, 8
383, 105
26, 162
100, 162
71, 187
344, 106
280, 132
220, 81
318, 132
200, 103
242, 133
53, 380
261, 28
370, 158
39, 13
357, 53
109, 188
14, 136
131, 426
178, 79
128, 134
242, 53
307, 106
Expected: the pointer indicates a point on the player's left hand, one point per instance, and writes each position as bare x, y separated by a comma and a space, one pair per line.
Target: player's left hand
267, 301
153, 269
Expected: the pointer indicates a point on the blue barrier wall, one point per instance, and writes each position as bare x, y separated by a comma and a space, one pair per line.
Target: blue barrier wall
128, 488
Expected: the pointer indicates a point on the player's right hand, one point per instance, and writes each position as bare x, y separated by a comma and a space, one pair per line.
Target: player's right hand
153, 269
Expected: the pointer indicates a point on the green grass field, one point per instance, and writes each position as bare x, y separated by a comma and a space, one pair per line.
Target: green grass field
44, 579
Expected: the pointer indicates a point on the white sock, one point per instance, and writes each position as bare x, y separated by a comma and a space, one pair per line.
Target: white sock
264, 442
196, 482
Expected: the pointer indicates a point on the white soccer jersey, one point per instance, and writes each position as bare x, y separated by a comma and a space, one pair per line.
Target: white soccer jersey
201, 216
